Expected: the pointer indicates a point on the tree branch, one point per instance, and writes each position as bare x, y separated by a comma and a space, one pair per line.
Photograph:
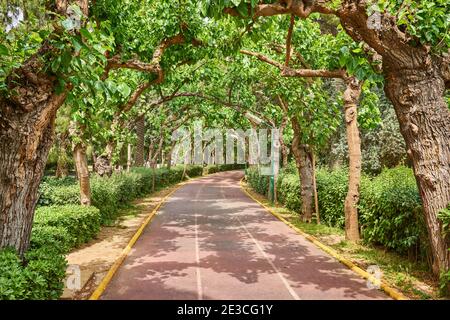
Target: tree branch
304, 73
153, 66
296, 7
289, 41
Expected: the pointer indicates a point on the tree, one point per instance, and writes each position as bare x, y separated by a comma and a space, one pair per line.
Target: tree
74, 50
416, 72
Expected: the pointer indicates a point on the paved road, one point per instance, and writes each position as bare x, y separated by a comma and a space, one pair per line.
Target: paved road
211, 241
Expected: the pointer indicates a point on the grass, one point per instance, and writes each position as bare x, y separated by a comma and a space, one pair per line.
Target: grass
413, 279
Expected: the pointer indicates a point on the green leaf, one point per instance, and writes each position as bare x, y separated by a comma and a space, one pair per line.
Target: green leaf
124, 89
3, 50
85, 33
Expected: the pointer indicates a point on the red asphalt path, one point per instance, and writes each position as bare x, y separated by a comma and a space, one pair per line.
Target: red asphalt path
211, 241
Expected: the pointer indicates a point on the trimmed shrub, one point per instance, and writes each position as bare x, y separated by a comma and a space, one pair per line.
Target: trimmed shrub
56, 237
82, 223
58, 191
391, 210
258, 182
209, 169
332, 187
288, 191
39, 277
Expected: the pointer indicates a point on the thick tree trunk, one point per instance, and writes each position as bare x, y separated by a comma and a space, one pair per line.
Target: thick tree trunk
27, 119
79, 154
351, 98
303, 159
316, 196
424, 120
140, 145
416, 81
26, 135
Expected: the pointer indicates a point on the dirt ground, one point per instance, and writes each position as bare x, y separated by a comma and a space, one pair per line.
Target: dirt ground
96, 257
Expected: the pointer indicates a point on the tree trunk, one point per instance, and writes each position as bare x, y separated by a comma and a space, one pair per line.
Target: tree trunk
103, 163
26, 135
316, 196
415, 82
140, 145
303, 159
150, 153
351, 98
79, 154
62, 169
424, 120
27, 119
129, 157
284, 148
302, 154
169, 155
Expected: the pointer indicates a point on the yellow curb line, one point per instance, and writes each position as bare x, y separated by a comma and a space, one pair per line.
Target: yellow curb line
107, 279
393, 293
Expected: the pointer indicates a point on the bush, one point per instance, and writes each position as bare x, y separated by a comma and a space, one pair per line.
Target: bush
258, 182
39, 277
109, 194
391, 210
332, 187
56, 237
54, 191
209, 169
82, 223
288, 191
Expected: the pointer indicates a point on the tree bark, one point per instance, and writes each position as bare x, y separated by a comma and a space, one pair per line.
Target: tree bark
303, 159
284, 148
302, 154
140, 145
304, 167
415, 82
103, 163
26, 135
27, 119
62, 169
351, 98
129, 158
79, 154
170, 154
316, 196
424, 118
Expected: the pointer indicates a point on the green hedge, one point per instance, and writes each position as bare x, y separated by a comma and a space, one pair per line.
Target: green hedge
58, 191
209, 169
109, 194
82, 223
258, 182
39, 277
288, 191
56, 230
390, 209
